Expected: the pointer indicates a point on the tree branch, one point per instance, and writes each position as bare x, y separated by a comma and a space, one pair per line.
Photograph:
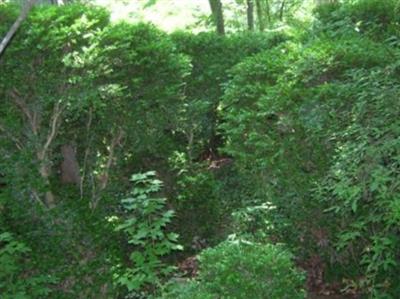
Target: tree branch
87, 150
24, 13
53, 130
116, 140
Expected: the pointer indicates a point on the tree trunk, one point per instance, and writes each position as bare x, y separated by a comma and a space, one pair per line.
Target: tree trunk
250, 15
281, 10
260, 15
104, 177
24, 13
268, 12
43, 153
44, 170
217, 15
70, 172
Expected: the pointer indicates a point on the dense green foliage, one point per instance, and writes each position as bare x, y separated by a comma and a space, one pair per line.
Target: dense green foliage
286, 136
61, 142
11, 285
240, 269
211, 58
145, 228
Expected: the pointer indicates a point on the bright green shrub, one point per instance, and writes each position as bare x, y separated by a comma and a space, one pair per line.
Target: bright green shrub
375, 18
186, 290
144, 78
279, 110
267, 139
145, 227
361, 187
356, 108
287, 113
326, 61
246, 270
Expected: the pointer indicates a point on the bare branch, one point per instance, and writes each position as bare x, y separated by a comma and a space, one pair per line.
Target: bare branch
87, 150
57, 110
37, 198
24, 13
115, 141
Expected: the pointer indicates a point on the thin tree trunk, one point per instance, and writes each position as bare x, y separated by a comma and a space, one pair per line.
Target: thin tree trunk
250, 15
31, 116
44, 170
24, 13
217, 15
87, 150
104, 177
281, 10
42, 154
268, 12
215, 140
260, 15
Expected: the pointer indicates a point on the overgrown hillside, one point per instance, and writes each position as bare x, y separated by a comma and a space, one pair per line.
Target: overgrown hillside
140, 164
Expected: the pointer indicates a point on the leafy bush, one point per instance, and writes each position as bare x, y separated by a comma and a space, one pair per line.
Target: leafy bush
361, 187
145, 227
374, 18
212, 55
146, 105
14, 283
268, 140
241, 269
196, 201
94, 84
186, 290
288, 113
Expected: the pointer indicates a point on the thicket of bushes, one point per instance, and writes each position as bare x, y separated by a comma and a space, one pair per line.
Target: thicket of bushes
271, 137
237, 269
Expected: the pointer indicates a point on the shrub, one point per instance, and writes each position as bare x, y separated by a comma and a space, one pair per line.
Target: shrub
240, 269
107, 84
186, 290
374, 18
268, 141
212, 56
14, 283
362, 184
145, 228
278, 120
